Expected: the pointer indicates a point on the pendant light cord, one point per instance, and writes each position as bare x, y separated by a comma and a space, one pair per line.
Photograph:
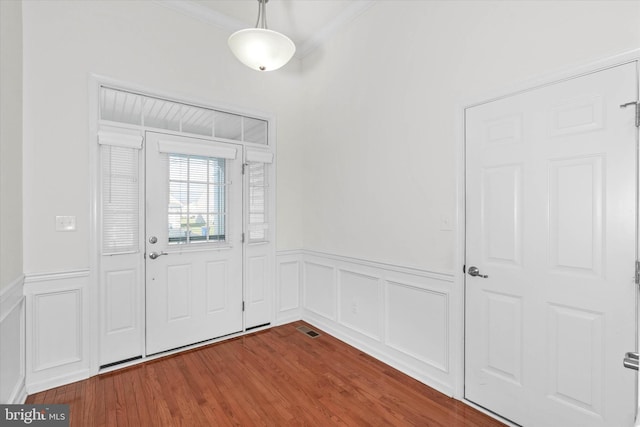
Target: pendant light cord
262, 15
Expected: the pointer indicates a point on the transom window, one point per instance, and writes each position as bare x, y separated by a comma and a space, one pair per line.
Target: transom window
197, 199
122, 106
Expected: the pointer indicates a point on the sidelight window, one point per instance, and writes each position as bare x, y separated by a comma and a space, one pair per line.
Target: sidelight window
257, 202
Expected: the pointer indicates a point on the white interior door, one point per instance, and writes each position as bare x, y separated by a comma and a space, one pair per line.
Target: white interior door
551, 220
193, 240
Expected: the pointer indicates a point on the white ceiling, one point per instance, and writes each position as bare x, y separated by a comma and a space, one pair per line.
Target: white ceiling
307, 22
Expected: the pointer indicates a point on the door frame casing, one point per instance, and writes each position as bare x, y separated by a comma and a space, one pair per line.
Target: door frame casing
95, 81
458, 300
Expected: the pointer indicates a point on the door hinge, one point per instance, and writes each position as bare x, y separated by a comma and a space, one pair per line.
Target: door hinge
242, 305
242, 237
636, 104
244, 166
637, 272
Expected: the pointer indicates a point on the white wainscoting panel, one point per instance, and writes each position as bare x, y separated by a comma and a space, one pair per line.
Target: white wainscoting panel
12, 344
418, 323
319, 288
360, 302
57, 329
288, 288
401, 316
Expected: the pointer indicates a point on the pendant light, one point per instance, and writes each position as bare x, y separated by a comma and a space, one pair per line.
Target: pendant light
260, 48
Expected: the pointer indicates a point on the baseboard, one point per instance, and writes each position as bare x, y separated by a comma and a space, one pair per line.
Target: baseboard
283, 320
19, 396
58, 381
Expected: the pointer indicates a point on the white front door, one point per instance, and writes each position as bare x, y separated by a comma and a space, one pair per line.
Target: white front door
551, 228
193, 240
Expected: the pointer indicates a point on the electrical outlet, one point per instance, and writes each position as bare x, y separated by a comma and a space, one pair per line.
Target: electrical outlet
354, 308
65, 223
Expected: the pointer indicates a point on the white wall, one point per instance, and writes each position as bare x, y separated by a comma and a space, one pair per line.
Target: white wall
12, 366
381, 112
10, 142
142, 43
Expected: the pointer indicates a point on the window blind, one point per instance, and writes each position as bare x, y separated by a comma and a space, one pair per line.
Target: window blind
259, 156
197, 196
203, 149
258, 223
120, 199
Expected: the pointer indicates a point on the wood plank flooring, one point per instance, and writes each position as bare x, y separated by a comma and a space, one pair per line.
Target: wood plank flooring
277, 377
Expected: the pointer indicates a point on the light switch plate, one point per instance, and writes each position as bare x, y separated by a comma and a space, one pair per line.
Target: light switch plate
65, 223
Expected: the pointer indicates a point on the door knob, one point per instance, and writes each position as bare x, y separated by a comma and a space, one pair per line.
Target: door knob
154, 255
631, 360
474, 271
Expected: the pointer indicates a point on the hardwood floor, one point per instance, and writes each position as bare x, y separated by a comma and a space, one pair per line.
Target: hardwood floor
270, 378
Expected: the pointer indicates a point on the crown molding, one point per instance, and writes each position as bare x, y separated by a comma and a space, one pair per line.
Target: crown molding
220, 20
353, 11
202, 13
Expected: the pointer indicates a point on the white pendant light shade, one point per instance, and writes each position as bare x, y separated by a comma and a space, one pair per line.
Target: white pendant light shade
261, 49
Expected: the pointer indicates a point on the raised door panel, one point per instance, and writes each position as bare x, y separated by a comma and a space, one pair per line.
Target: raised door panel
576, 215
576, 358
217, 286
504, 352
502, 214
257, 290
121, 311
179, 293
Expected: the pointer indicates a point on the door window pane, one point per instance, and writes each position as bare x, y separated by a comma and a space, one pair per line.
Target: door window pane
197, 199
